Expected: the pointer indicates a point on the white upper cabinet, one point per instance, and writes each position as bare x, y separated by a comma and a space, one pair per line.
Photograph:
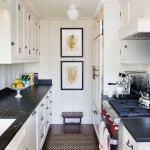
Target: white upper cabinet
130, 10
18, 33
135, 51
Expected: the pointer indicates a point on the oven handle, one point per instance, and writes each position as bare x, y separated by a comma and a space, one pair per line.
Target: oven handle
128, 144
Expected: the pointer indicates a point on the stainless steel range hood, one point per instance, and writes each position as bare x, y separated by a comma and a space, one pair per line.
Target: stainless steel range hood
139, 30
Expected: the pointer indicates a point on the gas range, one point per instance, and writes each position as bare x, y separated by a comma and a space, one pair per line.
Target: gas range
124, 108
129, 108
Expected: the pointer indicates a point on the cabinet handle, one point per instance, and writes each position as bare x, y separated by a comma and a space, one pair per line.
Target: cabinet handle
128, 144
47, 96
33, 49
29, 52
42, 105
50, 91
34, 112
50, 114
42, 135
47, 107
42, 118
95, 112
26, 47
50, 101
12, 43
120, 51
19, 49
125, 46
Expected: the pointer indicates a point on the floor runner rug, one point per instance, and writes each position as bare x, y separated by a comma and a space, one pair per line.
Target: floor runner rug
72, 142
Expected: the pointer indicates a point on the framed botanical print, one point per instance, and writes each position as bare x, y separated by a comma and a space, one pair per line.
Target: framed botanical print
71, 42
71, 75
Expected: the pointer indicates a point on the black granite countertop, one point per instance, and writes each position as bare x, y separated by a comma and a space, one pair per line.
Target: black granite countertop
19, 109
139, 128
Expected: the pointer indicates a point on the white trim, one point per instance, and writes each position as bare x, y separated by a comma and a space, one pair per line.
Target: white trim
98, 8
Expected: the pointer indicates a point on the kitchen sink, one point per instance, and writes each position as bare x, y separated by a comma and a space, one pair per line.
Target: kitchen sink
5, 124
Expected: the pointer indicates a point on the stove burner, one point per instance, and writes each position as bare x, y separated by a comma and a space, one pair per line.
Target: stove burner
132, 110
122, 102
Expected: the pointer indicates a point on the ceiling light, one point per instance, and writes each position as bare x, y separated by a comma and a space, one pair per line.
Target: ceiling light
72, 12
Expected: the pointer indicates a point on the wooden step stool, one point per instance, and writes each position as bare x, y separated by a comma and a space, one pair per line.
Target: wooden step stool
72, 115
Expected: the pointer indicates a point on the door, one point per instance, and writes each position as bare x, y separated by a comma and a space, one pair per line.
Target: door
98, 69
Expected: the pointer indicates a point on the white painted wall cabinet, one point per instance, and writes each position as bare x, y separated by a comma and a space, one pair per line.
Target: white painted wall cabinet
130, 13
19, 33
135, 51
32, 134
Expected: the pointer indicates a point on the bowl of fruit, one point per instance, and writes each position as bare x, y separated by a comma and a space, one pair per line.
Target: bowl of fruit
18, 86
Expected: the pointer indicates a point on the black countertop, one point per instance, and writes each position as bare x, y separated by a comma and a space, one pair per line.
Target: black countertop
19, 108
139, 128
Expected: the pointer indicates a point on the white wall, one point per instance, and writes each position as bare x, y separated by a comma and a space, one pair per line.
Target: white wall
112, 65
8, 73
49, 67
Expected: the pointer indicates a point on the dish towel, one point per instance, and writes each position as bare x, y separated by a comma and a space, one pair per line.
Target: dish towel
101, 139
106, 140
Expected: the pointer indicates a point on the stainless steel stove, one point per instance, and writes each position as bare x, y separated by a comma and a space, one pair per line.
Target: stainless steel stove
121, 108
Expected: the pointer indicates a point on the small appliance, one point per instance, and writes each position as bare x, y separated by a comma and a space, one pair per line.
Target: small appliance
130, 84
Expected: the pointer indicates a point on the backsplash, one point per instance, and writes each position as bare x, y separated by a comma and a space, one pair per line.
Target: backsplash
8, 73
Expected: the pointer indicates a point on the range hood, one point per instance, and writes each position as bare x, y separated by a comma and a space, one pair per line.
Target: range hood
139, 30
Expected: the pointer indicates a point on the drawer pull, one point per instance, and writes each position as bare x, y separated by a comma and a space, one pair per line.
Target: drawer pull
47, 96
42, 104
47, 107
50, 91
42, 135
50, 101
42, 118
128, 144
50, 114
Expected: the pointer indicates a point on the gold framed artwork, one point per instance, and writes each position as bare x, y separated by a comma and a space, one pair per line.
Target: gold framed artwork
71, 42
71, 75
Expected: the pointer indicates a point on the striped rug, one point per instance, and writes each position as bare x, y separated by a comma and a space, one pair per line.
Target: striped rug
72, 142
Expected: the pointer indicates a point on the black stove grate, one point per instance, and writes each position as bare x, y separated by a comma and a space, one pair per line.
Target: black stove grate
129, 108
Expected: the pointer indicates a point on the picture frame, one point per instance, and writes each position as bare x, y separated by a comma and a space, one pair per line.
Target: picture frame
71, 75
71, 42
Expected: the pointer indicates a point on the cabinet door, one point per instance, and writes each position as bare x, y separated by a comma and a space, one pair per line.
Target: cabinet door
96, 120
26, 33
20, 29
19, 141
31, 131
124, 13
30, 35
128, 142
37, 39
123, 50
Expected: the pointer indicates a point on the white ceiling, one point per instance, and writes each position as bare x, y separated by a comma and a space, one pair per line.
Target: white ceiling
58, 8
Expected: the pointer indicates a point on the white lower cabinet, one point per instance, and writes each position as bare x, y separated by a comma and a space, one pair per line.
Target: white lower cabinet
19, 142
130, 144
31, 131
32, 134
96, 120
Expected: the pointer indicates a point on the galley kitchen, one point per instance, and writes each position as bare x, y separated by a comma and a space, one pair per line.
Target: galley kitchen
74, 74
